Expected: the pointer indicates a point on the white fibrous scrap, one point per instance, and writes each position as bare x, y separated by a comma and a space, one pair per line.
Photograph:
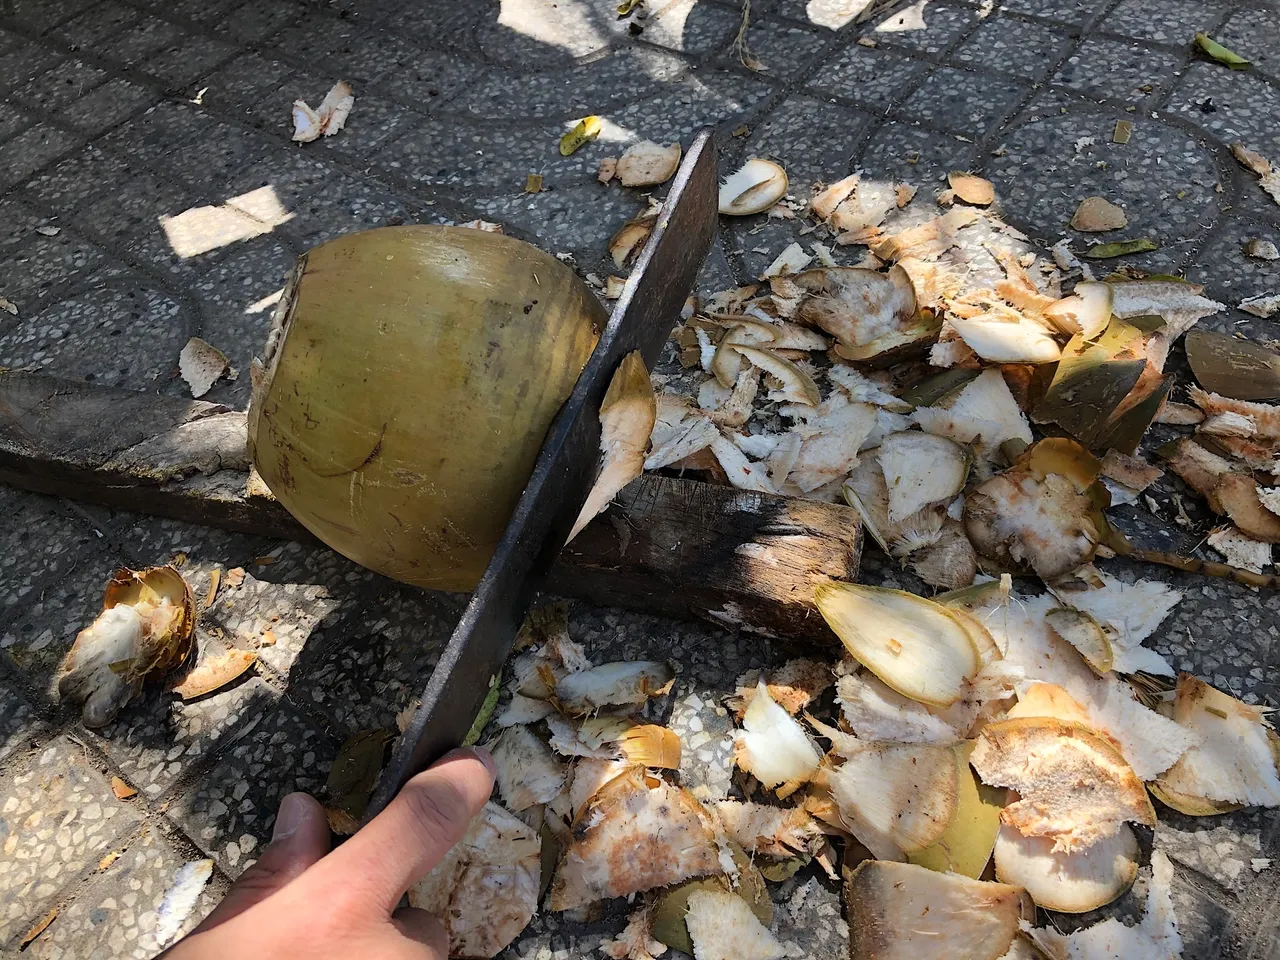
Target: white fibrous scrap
1240, 550
180, 899
201, 365
1130, 611
327, 119
485, 889
527, 771
773, 747
722, 927
767, 830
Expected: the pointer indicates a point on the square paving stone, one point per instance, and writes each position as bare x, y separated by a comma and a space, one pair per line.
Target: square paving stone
42, 15
1173, 21
21, 222
96, 24
229, 811
812, 139
121, 336
426, 78
108, 105
36, 268
14, 121
1118, 69
1230, 276
140, 40
68, 183
292, 176
38, 540
871, 76
57, 816
1013, 46
344, 206
218, 153
207, 12
194, 56
373, 122
115, 915
376, 660
135, 207
30, 150
59, 85
1244, 107
158, 738
317, 38
20, 725
257, 21
24, 62
242, 82
1074, 12
905, 153
783, 50
931, 28
962, 102
157, 134
1255, 35
693, 27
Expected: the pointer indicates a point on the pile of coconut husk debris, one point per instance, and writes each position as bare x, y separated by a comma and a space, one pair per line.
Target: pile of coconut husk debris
968, 759
909, 386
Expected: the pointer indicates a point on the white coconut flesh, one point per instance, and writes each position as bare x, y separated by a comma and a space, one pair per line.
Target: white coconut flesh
987, 398
485, 890
613, 684
115, 637
753, 188
866, 491
798, 386
830, 448
914, 645
1132, 612
772, 746
896, 798
1070, 882
899, 911
526, 770
1232, 761
920, 469
722, 927
861, 308
876, 712
998, 339
768, 830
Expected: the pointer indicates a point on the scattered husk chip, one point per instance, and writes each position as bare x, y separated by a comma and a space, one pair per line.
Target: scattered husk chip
1098, 215
201, 365
755, 187
1069, 882
647, 164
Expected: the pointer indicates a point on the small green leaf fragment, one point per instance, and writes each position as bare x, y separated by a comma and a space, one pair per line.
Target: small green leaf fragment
1121, 248
626, 6
1220, 53
583, 132
486, 711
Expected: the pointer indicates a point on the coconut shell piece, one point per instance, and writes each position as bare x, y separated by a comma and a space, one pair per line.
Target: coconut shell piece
873, 316
929, 240
637, 833
527, 771
965, 846
899, 911
1237, 493
1098, 215
1233, 762
1074, 785
1234, 368
215, 673
627, 416
755, 187
1074, 882
485, 890
825, 200
972, 189
647, 164
201, 365
625, 245
145, 629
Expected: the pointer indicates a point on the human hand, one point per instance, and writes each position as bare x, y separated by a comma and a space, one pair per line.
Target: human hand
301, 900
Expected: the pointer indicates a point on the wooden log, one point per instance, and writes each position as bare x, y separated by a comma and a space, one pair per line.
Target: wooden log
678, 547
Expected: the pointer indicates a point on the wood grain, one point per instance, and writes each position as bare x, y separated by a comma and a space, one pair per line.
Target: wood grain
677, 547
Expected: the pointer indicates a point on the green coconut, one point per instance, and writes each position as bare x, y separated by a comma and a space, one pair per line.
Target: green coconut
408, 382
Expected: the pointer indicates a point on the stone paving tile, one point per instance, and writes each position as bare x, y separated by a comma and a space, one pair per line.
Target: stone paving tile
115, 916
1013, 46
140, 40
871, 76
1230, 276
57, 815
940, 27
218, 153
59, 85
814, 140
36, 268
20, 725
101, 20
14, 120
1173, 21
905, 153
1118, 69
544, 33
125, 337
229, 812
691, 26
135, 207
106, 106
24, 62
1042, 178
963, 102
782, 50
41, 15
1244, 107
30, 150
68, 183
257, 21
38, 540
159, 738
178, 65
1255, 35
1069, 13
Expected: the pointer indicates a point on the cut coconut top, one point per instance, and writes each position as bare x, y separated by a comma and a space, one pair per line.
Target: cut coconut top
858, 307
637, 833
1264, 416
773, 747
1074, 786
914, 645
1000, 338
866, 491
987, 398
832, 439
972, 189
647, 164
1069, 882
1233, 760
896, 798
899, 911
755, 187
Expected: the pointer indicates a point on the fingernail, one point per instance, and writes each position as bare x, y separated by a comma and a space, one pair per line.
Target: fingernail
473, 753
293, 810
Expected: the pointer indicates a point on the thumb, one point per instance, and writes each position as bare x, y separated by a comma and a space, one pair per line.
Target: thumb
299, 839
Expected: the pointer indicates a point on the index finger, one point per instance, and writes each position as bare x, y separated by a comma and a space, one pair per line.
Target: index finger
400, 845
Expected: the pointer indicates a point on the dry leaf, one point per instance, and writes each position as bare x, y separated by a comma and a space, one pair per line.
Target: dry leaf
972, 189
215, 673
108, 860
122, 790
215, 577
201, 364
583, 132
40, 926
533, 183
1098, 215
1122, 132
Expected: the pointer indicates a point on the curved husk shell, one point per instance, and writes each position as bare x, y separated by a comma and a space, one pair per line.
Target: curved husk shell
966, 845
1070, 882
408, 383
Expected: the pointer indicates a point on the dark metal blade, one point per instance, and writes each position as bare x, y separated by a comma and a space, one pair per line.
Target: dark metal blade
565, 470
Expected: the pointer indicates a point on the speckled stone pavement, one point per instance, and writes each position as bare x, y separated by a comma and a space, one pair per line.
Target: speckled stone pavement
154, 136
